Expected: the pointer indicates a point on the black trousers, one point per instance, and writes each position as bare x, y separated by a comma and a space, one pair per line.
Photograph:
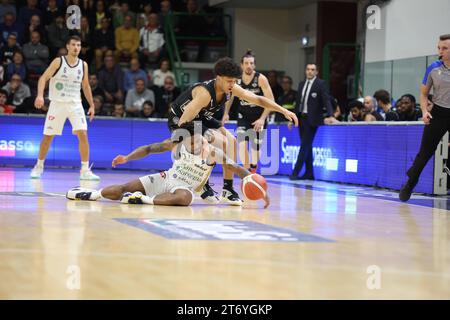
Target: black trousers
431, 136
305, 156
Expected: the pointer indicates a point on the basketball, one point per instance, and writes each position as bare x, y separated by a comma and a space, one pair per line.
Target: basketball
254, 187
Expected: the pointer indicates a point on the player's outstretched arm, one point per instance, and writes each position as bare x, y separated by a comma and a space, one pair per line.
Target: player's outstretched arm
200, 99
263, 102
39, 102
143, 151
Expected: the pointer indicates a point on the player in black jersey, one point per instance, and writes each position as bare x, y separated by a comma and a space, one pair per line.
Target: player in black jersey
202, 100
251, 118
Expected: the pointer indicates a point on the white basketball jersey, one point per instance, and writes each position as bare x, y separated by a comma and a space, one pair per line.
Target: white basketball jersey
190, 169
65, 85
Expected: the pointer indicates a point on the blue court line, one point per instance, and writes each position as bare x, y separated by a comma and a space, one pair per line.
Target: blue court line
442, 202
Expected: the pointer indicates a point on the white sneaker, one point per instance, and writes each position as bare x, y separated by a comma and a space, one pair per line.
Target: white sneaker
132, 198
36, 172
209, 195
230, 197
79, 193
88, 175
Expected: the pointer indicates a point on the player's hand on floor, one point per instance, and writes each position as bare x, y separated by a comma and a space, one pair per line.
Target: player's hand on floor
258, 125
120, 159
91, 113
266, 201
39, 102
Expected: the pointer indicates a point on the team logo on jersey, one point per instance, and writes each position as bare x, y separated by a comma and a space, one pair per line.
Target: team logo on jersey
51, 118
59, 86
254, 84
314, 95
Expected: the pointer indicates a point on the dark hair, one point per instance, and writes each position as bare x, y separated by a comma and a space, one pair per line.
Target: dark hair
3, 91
139, 79
312, 63
226, 67
444, 37
149, 102
74, 38
287, 77
409, 96
356, 104
383, 96
248, 54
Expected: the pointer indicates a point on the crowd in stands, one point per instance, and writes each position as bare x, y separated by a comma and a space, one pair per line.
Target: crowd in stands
122, 41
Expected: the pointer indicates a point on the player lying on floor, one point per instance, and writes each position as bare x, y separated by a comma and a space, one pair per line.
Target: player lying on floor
192, 167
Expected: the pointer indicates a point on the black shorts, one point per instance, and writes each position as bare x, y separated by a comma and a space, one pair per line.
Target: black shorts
206, 124
245, 131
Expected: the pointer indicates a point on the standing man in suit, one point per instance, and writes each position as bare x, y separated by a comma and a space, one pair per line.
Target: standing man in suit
312, 101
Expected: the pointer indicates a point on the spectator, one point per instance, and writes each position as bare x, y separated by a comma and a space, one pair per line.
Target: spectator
6, 7
95, 19
9, 26
95, 89
35, 25
103, 42
119, 111
57, 35
127, 40
287, 99
166, 10
4, 107
160, 75
62, 52
110, 79
356, 110
2, 74
370, 107
17, 66
168, 93
86, 53
119, 15
25, 13
98, 103
383, 99
36, 54
7, 51
406, 108
51, 12
192, 24
277, 91
135, 72
148, 110
151, 41
136, 98
17, 91
143, 16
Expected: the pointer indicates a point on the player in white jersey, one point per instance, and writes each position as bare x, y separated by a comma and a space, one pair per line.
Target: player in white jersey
68, 75
195, 159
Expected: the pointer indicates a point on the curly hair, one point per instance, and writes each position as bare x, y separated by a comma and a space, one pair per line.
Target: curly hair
226, 67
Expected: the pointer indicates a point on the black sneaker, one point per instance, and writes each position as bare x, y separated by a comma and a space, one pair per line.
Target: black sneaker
406, 190
209, 195
231, 197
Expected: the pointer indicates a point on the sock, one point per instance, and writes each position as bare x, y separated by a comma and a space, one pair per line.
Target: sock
147, 199
84, 165
228, 184
40, 163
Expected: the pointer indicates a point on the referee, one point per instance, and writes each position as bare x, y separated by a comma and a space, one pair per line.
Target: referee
437, 121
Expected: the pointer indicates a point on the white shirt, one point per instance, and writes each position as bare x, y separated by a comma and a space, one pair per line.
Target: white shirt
151, 40
65, 85
159, 77
305, 102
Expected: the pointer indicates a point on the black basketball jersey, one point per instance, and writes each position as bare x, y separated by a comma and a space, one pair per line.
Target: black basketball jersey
246, 108
177, 107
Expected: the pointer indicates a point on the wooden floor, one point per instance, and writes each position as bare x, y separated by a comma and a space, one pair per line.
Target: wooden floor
340, 242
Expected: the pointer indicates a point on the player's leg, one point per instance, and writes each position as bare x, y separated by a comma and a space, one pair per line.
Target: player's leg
256, 144
54, 124
179, 197
243, 140
113, 192
79, 127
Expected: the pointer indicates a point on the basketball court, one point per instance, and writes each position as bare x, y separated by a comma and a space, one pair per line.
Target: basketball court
317, 240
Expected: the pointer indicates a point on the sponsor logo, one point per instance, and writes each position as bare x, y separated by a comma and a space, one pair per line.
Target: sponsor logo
59, 86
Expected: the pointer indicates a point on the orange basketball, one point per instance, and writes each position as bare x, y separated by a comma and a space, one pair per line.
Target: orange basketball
254, 187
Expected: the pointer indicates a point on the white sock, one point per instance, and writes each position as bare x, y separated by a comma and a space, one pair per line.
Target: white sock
84, 165
40, 163
147, 199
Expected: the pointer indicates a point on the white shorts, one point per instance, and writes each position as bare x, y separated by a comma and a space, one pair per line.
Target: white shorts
159, 183
57, 114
